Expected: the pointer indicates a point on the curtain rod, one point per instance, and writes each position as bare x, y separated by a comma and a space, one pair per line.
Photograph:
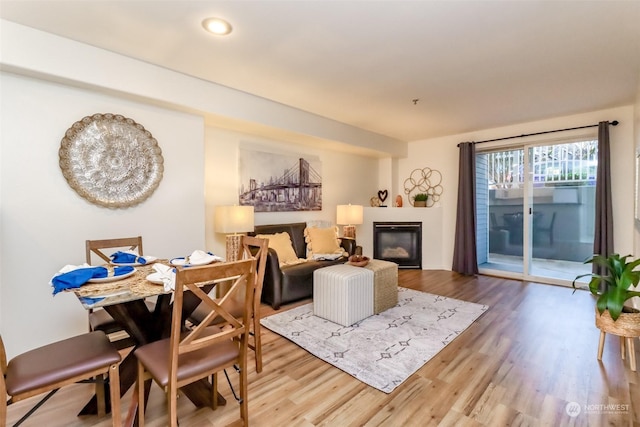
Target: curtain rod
613, 123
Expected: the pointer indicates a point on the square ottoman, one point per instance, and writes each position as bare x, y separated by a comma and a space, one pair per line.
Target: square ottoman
343, 293
385, 284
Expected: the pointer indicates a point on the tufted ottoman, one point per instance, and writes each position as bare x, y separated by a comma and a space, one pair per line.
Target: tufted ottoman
385, 284
343, 293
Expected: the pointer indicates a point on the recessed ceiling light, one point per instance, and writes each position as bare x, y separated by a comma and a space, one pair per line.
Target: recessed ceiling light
217, 26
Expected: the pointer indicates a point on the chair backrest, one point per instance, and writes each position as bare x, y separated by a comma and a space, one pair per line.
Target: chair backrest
127, 243
258, 249
241, 274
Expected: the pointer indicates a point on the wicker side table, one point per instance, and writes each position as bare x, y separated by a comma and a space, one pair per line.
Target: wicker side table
385, 284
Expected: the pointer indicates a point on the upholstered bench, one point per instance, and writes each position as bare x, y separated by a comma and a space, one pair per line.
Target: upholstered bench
343, 293
385, 284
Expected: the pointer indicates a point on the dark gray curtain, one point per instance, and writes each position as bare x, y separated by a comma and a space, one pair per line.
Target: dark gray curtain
603, 239
465, 259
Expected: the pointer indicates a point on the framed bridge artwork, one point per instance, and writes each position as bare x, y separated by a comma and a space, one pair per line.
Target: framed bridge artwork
278, 182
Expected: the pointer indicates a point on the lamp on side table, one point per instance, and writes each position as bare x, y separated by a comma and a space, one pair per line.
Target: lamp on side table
349, 216
234, 219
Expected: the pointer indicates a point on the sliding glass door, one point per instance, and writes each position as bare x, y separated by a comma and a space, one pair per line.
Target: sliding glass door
500, 207
536, 210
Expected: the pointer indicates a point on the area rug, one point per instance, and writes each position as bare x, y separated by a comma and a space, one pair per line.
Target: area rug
385, 349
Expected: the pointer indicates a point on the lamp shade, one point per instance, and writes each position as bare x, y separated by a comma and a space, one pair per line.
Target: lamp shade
349, 214
233, 219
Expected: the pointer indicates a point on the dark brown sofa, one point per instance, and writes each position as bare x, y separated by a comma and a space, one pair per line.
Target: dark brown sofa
293, 282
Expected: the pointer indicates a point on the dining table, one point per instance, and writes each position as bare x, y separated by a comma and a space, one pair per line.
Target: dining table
124, 299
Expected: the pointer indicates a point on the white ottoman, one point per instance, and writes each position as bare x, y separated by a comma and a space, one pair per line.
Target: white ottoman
343, 294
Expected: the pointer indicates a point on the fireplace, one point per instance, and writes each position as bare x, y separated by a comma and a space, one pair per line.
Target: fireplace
399, 242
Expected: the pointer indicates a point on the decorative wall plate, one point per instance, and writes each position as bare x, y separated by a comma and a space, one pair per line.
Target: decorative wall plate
111, 160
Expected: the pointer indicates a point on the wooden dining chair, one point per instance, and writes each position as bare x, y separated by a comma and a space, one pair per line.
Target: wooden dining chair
256, 248
188, 356
99, 319
48, 368
97, 247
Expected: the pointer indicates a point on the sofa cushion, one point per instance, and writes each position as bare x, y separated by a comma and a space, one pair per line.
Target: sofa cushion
281, 243
295, 230
322, 242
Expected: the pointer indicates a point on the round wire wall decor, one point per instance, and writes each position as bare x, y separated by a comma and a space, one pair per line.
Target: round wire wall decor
425, 180
111, 160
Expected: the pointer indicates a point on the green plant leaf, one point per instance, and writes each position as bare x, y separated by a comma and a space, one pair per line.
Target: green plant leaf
615, 300
579, 277
601, 303
629, 277
594, 284
621, 276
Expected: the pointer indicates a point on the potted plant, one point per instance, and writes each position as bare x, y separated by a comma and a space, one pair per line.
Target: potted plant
615, 285
420, 200
612, 316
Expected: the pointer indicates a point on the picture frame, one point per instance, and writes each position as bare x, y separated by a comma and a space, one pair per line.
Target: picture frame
272, 182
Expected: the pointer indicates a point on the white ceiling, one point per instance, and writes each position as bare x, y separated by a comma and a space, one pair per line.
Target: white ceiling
472, 64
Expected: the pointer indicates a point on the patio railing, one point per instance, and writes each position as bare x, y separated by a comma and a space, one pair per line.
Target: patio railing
553, 164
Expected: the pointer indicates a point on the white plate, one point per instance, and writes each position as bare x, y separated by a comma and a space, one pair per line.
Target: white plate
155, 279
111, 278
149, 259
203, 261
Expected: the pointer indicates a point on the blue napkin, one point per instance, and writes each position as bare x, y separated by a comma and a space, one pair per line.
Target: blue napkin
127, 258
78, 277
119, 271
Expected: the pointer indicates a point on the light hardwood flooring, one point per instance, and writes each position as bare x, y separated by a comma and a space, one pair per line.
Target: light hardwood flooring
530, 355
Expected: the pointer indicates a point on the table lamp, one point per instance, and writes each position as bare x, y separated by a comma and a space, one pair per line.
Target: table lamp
234, 219
349, 216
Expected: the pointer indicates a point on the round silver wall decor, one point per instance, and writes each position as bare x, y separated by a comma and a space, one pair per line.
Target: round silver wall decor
111, 160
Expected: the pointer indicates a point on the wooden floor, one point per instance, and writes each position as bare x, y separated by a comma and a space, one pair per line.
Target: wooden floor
523, 362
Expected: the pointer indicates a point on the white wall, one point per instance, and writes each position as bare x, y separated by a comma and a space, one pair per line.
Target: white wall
636, 121
44, 223
346, 178
635, 302
442, 154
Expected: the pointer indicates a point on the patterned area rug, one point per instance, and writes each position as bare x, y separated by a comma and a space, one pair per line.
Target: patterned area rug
385, 349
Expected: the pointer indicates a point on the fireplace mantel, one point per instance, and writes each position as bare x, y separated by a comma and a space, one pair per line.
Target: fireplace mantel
431, 219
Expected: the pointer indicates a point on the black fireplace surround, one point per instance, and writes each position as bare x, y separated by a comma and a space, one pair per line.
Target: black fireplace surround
399, 242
